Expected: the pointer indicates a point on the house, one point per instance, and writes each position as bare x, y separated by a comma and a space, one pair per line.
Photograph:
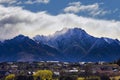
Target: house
108, 69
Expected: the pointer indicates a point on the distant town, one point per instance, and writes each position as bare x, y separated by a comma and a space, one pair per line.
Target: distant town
55, 70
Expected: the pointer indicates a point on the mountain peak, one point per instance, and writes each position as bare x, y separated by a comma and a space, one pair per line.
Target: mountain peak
20, 37
77, 30
71, 31
63, 31
74, 30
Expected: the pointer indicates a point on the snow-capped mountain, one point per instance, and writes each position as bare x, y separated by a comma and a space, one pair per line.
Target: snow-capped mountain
78, 45
66, 45
71, 36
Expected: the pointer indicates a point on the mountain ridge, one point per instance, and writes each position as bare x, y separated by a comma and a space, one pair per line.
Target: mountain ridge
71, 45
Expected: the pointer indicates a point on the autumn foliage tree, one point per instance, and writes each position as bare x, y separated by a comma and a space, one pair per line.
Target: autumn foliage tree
43, 75
10, 77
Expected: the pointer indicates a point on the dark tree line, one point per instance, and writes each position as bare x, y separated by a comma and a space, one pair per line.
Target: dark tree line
117, 62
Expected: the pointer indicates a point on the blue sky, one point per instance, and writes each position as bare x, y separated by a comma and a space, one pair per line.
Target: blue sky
44, 17
55, 7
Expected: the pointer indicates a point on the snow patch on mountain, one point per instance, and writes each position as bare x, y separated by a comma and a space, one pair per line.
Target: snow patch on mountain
108, 40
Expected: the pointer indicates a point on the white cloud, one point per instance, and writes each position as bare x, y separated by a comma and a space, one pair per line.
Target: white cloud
36, 1
7, 1
16, 20
92, 9
23, 2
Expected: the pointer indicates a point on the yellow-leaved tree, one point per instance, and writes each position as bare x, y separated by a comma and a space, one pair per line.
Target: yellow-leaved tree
10, 77
43, 75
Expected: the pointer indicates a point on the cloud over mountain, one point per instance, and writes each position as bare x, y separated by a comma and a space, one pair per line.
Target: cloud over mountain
17, 20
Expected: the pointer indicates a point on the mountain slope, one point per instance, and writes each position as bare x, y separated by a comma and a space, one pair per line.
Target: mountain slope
22, 48
78, 45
